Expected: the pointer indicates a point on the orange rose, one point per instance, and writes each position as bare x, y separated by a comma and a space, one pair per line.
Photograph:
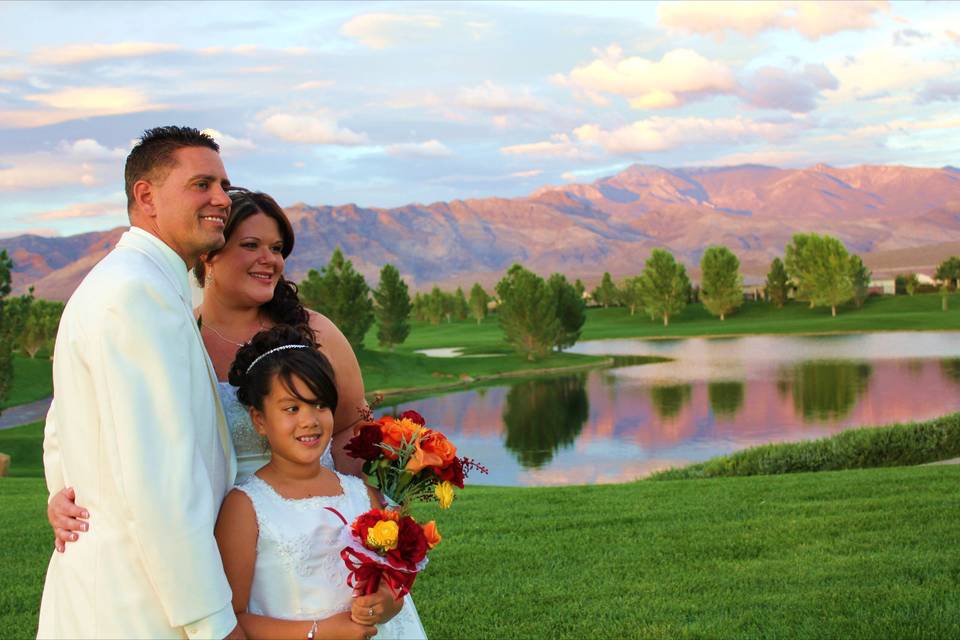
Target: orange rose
437, 443
393, 433
421, 458
431, 534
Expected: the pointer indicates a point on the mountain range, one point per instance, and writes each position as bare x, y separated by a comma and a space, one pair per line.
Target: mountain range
897, 217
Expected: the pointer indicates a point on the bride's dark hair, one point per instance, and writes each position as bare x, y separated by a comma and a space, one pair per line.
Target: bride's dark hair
285, 352
285, 306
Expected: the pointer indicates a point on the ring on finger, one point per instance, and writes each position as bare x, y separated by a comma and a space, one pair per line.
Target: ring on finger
370, 612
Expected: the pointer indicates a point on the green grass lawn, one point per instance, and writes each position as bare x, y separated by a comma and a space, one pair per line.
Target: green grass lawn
31, 380
850, 554
881, 313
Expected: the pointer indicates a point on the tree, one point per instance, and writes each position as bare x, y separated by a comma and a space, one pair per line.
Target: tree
944, 296
418, 307
461, 310
664, 286
606, 293
860, 279
6, 335
434, 306
949, 271
341, 294
777, 283
571, 311
39, 325
828, 272
528, 312
721, 289
799, 262
910, 283
479, 299
579, 287
630, 294
391, 306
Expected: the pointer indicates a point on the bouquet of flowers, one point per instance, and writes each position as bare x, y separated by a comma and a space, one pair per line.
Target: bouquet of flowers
406, 461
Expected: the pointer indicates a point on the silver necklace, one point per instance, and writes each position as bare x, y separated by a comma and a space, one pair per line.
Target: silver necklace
225, 338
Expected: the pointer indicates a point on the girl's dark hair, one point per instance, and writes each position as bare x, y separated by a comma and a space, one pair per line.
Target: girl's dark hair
308, 364
285, 306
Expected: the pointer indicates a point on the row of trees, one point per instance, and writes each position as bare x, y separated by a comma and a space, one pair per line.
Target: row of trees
27, 324
536, 315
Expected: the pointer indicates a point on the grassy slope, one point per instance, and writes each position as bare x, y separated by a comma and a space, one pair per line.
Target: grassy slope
31, 381
853, 554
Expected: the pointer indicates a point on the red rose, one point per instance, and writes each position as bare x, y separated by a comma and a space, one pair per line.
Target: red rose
364, 444
413, 416
411, 544
452, 473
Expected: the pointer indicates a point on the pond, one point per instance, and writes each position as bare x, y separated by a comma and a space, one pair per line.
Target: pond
716, 396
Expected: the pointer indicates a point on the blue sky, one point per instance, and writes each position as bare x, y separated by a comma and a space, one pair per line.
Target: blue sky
388, 103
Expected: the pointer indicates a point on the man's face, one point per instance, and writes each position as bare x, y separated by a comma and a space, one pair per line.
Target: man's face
190, 204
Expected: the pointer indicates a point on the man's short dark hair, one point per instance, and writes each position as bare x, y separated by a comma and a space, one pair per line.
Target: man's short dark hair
155, 151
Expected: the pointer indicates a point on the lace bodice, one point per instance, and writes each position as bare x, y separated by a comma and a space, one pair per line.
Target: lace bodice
251, 447
299, 574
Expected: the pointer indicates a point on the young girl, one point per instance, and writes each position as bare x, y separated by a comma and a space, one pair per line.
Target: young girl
277, 534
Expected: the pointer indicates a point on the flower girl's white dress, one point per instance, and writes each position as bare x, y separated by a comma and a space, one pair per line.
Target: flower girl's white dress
299, 574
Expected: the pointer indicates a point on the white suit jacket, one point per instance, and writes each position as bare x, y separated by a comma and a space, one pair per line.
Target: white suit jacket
137, 429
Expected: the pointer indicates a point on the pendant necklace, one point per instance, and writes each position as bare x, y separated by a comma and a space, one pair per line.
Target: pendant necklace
223, 337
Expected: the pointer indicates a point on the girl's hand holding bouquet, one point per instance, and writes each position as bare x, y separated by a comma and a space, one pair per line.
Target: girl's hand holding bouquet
405, 461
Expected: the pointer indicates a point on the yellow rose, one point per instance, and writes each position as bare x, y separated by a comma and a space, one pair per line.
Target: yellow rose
444, 494
383, 535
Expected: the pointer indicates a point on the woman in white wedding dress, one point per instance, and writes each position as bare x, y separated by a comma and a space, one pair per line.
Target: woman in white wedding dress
278, 530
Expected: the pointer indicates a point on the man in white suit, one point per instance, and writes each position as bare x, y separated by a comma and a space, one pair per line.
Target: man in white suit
136, 427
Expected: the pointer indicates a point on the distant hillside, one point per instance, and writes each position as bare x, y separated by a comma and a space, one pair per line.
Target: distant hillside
897, 217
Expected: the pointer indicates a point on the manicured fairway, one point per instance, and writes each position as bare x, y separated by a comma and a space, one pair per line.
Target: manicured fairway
31, 381
850, 554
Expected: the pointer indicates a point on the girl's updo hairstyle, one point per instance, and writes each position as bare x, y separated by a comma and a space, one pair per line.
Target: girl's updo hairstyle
253, 377
285, 306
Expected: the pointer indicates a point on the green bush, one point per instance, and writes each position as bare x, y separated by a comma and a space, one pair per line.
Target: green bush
888, 446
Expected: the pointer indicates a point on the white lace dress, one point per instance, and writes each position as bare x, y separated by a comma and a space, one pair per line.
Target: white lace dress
299, 574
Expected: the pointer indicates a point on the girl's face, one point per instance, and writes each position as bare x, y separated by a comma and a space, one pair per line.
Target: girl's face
297, 431
250, 264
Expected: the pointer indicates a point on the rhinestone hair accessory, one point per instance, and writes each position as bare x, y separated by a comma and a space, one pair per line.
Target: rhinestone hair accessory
274, 350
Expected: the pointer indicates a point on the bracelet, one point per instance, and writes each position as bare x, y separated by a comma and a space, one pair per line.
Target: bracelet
313, 629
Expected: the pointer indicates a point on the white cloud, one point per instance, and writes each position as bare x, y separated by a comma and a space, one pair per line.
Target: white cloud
876, 72
229, 145
11, 75
313, 84
90, 149
382, 30
569, 176
796, 91
72, 103
115, 208
46, 232
526, 174
811, 19
560, 145
680, 76
79, 53
492, 97
662, 133
314, 128
44, 171
430, 148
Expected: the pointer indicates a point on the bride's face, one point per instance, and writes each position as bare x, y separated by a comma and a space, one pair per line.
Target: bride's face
298, 431
248, 268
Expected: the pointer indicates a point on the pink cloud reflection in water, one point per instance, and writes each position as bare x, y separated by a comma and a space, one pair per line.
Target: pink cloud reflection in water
640, 420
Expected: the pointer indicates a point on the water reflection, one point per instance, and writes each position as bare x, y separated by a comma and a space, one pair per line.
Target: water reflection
726, 397
715, 397
542, 416
826, 390
669, 399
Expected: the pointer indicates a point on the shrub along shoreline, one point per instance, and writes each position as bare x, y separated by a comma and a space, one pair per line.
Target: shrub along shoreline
893, 445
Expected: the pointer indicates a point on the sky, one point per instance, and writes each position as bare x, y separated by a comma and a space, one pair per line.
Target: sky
384, 104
